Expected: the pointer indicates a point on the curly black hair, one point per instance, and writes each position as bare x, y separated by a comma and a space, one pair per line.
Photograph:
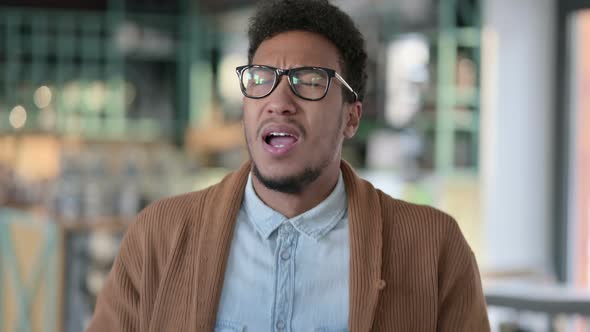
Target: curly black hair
317, 16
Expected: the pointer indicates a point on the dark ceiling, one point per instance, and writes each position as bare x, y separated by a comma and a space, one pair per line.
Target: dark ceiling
156, 6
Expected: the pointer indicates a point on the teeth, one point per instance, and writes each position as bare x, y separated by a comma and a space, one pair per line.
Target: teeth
276, 134
279, 134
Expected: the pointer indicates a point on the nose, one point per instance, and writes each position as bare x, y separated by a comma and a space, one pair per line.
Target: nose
282, 100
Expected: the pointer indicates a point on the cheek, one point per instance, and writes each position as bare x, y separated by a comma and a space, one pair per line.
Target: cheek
249, 119
249, 131
328, 129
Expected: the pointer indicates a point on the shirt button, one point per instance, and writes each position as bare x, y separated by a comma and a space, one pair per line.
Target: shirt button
280, 324
285, 255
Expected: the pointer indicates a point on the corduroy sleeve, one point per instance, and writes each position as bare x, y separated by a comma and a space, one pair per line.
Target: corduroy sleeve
117, 307
462, 306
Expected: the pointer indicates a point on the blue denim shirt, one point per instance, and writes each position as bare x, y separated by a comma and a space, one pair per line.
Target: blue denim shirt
287, 274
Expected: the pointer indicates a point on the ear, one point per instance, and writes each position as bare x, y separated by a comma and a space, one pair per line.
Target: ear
352, 118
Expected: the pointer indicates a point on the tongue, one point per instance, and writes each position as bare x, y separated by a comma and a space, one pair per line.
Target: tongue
282, 141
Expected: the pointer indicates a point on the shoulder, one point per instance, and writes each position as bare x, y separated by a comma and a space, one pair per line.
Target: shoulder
394, 212
164, 213
399, 211
423, 226
166, 220
162, 222
420, 216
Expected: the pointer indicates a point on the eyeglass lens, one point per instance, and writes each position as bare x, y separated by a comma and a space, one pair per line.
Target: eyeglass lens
307, 83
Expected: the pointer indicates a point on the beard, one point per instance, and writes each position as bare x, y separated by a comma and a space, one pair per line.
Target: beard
293, 184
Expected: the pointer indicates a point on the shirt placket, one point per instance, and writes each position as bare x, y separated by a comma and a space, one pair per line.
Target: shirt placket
285, 283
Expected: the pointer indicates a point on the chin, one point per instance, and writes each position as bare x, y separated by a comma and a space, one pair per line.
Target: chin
287, 182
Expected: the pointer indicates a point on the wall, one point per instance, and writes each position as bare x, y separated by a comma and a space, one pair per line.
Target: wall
517, 133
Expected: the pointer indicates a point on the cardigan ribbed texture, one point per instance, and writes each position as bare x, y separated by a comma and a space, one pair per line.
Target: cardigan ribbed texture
410, 267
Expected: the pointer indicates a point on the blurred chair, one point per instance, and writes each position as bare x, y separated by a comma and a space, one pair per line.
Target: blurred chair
26, 271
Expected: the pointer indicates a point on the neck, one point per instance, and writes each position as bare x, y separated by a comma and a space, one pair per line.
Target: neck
291, 205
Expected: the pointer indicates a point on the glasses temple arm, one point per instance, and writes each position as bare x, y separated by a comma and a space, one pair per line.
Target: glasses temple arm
356, 97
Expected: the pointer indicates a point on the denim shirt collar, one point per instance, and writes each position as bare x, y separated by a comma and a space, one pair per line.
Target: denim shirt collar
314, 223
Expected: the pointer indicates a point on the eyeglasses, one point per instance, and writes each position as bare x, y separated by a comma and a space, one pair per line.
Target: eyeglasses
309, 83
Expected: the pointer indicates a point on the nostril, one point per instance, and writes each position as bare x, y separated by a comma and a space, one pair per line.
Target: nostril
285, 110
281, 104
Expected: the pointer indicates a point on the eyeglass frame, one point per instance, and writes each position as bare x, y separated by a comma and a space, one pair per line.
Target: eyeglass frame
280, 72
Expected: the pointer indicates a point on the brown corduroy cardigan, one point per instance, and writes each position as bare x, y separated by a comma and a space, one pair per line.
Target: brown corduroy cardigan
410, 267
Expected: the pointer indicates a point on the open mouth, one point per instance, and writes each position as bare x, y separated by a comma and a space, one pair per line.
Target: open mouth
280, 140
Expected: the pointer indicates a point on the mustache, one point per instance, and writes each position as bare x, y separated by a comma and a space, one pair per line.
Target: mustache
289, 121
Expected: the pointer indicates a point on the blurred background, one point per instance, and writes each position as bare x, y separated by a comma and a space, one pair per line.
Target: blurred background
478, 107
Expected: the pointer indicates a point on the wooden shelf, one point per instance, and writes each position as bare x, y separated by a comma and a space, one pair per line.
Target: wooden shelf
106, 223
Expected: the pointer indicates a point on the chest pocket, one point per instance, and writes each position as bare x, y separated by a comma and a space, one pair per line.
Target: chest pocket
228, 326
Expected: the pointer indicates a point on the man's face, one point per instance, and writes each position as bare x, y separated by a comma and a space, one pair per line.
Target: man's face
293, 141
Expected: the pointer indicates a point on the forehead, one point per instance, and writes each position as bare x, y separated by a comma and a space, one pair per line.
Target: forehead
298, 48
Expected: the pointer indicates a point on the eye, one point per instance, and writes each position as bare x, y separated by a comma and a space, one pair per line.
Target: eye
260, 80
257, 77
310, 78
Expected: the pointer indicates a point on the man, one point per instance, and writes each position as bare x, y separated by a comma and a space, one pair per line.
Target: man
294, 240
